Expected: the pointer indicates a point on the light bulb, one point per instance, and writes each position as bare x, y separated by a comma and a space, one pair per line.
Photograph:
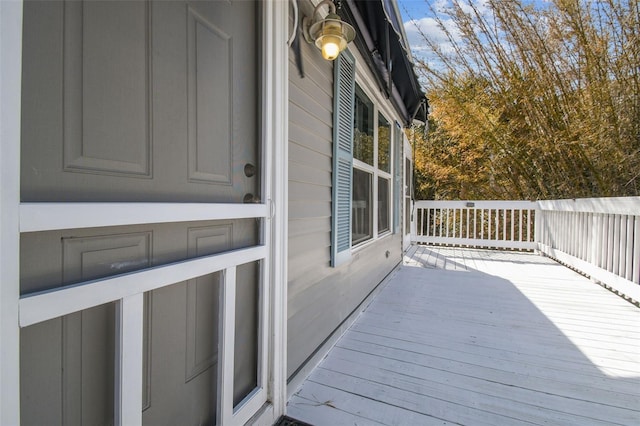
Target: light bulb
330, 48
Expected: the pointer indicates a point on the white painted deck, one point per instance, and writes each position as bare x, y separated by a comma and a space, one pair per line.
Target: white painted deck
481, 337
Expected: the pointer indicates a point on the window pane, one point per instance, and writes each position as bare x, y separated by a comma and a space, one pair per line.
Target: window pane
363, 128
384, 144
383, 204
361, 228
407, 193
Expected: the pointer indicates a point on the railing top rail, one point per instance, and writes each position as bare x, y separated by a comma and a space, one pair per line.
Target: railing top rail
477, 204
612, 205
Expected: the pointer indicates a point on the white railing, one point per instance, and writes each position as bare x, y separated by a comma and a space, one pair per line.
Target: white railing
490, 224
599, 237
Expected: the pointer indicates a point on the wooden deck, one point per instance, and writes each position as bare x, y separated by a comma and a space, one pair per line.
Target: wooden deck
481, 337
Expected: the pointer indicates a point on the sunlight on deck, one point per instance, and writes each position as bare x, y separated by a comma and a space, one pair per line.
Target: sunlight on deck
465, 336
560, 294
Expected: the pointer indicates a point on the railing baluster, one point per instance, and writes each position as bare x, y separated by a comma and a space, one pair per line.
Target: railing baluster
615, 267
622, 266
513, 235
520, 225
636, 250
475, 223
628, 249
454, 223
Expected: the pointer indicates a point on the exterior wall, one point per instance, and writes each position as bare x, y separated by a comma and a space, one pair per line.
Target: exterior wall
321, 297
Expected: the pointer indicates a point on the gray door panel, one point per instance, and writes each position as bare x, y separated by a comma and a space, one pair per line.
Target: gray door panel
138, 101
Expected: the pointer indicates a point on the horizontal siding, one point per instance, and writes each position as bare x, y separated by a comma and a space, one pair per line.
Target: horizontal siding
300, 172
309, 122
305, 243
315, 106
304, 155
300, 135
317, 72
320, 297
309, 209
304, 270
300, 191
304, 227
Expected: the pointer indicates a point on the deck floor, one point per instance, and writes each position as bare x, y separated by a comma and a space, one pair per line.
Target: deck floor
481, 337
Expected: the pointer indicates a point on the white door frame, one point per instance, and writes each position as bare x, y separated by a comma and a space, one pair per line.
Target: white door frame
10, 84
268, 401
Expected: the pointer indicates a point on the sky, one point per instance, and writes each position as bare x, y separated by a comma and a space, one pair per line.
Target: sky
418, 12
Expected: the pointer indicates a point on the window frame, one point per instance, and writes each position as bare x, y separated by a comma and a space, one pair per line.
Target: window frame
373, 170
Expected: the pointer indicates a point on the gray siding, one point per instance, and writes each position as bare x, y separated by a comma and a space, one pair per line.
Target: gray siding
320, 297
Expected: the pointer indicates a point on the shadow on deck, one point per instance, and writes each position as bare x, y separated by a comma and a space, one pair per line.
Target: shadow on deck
481, 337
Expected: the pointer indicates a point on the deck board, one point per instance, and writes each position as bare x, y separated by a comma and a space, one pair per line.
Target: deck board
472, 337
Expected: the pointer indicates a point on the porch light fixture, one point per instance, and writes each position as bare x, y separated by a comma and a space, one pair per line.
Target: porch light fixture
331, 35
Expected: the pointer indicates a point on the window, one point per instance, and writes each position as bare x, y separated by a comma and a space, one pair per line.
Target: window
361, 214
363, 148
383, 204
371, 170
384, 144
384, 172
363, 128
363, 154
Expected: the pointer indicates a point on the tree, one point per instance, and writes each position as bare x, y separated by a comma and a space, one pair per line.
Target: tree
533, 102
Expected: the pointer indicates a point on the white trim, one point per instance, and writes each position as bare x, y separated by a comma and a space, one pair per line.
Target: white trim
248, 407
129, 353
275, 63
10, 101
226, 335
486, 205
612, 205
53, 216
42, 306
373, 170
264, 416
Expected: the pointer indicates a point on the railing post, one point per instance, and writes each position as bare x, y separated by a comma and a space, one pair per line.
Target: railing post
537, 227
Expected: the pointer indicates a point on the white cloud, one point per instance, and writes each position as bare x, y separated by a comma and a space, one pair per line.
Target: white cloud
418, 29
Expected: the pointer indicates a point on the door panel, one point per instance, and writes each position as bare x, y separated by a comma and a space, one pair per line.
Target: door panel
106, 46
138, 101
67, 369
181, 322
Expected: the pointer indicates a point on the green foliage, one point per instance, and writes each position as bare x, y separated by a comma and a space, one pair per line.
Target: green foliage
533, 103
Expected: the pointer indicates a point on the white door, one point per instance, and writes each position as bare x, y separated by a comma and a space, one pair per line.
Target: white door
408, 191
144, 256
